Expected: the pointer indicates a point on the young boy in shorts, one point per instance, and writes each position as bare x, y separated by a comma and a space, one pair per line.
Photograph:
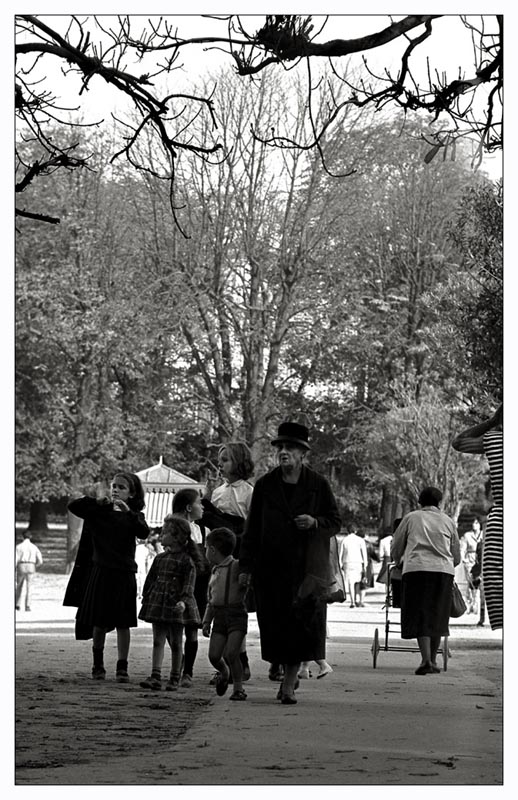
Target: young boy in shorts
225, 611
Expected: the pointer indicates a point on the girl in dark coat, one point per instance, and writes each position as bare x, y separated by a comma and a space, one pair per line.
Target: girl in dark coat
104, 585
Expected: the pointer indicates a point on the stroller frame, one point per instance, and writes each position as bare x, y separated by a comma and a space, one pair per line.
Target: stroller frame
376, 647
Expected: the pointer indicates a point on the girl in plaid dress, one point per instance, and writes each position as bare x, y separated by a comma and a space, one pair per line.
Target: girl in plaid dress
168, 599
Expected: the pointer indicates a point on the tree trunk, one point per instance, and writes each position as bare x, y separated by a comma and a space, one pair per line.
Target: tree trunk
392, 507
38, 523
74, 530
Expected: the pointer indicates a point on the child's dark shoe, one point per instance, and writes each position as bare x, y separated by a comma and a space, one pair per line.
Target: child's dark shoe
152, 683
239, 694
221, 684
98, 673
172, 685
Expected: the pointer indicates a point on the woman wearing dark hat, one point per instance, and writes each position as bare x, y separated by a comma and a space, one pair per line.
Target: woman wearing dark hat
285, 549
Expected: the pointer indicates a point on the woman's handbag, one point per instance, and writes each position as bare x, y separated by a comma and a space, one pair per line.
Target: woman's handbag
458, 606
364, 582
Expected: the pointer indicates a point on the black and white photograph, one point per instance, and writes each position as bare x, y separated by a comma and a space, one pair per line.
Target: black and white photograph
258, 388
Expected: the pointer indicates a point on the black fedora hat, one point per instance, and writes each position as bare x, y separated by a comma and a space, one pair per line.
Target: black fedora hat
292, 432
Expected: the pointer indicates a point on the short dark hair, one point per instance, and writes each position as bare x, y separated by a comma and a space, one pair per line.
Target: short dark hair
430, 496
223, 539
184, 498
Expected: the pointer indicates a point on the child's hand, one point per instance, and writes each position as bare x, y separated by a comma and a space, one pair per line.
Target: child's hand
120, 505
180, 606
209, 487
206, 630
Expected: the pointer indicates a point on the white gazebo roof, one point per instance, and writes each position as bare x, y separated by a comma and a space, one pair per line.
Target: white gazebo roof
160, 484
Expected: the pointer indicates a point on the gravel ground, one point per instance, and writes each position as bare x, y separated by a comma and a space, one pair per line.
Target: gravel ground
360, 725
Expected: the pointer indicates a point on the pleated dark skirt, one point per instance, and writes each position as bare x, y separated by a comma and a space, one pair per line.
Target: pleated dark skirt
110, 601
425, 604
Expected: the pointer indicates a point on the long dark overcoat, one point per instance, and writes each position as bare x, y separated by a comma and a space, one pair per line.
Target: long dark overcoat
288, 565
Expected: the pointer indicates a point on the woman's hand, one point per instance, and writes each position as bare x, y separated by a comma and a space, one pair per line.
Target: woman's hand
180, 606
305, 522
206, 630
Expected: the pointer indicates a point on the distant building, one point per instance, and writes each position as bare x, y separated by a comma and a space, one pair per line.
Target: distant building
160, 484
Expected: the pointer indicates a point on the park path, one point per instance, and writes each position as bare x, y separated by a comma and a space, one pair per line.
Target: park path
358, 726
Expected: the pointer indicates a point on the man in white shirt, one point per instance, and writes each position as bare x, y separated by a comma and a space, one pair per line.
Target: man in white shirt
28, 558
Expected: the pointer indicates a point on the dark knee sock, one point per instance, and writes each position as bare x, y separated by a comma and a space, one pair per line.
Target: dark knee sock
122, 665
191, 649
98, 653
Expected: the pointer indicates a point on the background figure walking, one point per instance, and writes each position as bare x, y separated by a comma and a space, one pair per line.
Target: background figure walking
469, 542
426, 544
488, 438
28, 559
353, 558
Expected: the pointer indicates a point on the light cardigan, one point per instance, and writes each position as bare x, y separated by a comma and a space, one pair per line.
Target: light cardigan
426, 541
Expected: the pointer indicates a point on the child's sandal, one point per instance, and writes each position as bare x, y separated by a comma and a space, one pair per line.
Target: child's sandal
239, 694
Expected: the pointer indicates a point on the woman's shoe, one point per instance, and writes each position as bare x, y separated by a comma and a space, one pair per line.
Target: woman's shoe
281, 692
276, 672
424, 669
288, 699
304, 673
